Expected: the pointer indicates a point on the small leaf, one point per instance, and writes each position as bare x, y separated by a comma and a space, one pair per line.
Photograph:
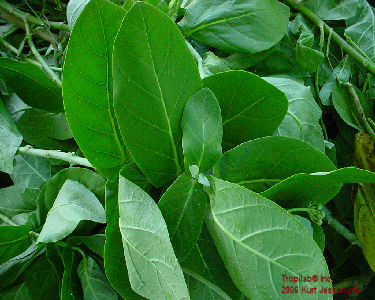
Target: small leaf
94, 242
183, 206
73, 204
152, 67
250, 106
70, 286
302, 118
30, 171
153, 268
256, 236
94, 283
10, 139
31, 84
13, 241
236, 26
202, 130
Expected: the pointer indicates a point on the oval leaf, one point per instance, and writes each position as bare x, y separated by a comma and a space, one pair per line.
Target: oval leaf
202, 130
153, 268
240, 25
13, 241
154, 76
183, 206
87, 86
256, 236
31, 84
263, 162
73, 204
250, 106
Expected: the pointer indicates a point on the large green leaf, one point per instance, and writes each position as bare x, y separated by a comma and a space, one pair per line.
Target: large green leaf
261, 163
31, 84
91, 180
239, 25
94, 283
200, 288
153, 268
73, 204
362, 28
13, 241
256, 236
320, 187
183, 206
154, 76
114, 259
10, 139
30, 171
87, 86
250, 106
202, 130
73, 10
302, 118
15, 292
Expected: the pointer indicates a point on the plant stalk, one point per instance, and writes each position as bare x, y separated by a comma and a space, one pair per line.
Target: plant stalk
7, 220
69, 157
37, 55
368, 64
34, 20
341, 229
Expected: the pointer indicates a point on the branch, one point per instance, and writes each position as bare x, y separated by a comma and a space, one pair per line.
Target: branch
22, 15
368, 64
7, 220
341, 229
56, 154
37, 55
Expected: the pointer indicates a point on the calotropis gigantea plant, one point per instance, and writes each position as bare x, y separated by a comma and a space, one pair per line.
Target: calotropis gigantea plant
200, 179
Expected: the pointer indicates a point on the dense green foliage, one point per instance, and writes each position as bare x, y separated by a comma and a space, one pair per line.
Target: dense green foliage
189, 149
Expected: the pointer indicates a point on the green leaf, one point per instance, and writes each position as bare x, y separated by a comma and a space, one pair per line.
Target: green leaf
114, 259
264, 162
30, 171
314, 229
52, 125
18, 203
31, 84
94, 283
362, 28
132, 173
202, 130
13, 268
10, 139
212, 64
16, 292
341, 73
73, 204
153, 268
256, 236
183, 206
200, 288
13, 241
345, 107
94, 242
70, 286
92, 181
308, 58
205, 261
302, 118
87, 86
240, 25
152, 68
73, 10
250, 106
41, 279
332, 9
301, 189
